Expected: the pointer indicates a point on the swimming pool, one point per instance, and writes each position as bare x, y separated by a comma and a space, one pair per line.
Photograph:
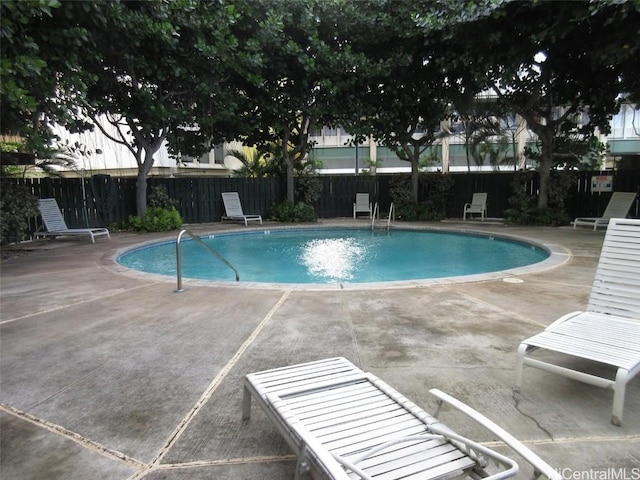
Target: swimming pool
336, 256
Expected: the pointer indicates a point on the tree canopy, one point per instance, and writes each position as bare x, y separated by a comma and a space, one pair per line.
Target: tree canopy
39, 75
164, 73
194, 72
554, 63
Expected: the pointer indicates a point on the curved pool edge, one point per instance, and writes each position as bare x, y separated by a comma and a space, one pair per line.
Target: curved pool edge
558, 255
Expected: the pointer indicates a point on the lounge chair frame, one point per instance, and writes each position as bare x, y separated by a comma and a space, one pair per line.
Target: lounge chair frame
233, 209
618, 207
608, 332
343, 423
478, 205
55, 225
362, 205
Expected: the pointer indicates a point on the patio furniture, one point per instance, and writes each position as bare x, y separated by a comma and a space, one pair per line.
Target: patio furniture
233, 209
343, 423
608, 332
362, 205
478, 205
57, 227
618, 207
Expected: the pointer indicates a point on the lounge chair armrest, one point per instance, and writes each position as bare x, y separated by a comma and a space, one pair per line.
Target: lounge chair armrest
563, 319
539, 465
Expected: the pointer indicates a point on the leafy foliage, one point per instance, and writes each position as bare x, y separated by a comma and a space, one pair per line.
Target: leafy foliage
438, 188
40, 76
573, 151
161, 214
552, 62
294, 63
159, 198
257, 162
195, 73
288, 211
156, 219
17, 205
524, 209
404, 109
309, 188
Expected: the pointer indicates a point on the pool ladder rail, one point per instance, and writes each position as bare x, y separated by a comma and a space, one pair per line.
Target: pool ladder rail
197, 239
376, 216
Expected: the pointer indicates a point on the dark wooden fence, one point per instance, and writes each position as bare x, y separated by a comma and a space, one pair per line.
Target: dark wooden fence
103, 200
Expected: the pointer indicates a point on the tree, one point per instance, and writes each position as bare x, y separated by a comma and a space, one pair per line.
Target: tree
163, 74
256, 162
481, 123
554, 63
291, 85
40, 74
400, 94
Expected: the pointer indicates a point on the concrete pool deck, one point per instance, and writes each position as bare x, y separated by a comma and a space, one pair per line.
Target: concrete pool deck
108, 374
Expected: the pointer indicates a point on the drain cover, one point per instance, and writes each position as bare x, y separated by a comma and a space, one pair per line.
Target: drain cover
512, 280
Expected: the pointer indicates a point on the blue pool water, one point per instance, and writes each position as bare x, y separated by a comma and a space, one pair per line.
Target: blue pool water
325, 256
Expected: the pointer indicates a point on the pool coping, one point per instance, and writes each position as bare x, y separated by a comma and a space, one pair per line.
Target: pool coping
557, 256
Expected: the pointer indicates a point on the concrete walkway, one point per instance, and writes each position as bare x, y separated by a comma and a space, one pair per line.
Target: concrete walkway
109, 374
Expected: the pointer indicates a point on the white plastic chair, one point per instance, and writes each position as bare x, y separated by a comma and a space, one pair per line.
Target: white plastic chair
478, 205
362, 205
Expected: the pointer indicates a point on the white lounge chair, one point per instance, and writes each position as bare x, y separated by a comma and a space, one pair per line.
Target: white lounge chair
57, 227
233, 209
608, 332
478, 205
618, 207
362, 205
343, 423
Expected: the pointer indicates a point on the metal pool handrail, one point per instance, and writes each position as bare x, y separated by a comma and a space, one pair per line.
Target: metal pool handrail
376, 214
206, 247
373, 216
392, 216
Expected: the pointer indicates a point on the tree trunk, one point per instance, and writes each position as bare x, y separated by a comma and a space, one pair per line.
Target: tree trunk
415, 171
288, 161
546, 163
141, 193
144, 167
290, 178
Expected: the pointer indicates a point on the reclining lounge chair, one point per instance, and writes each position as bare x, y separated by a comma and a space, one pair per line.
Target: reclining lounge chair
343, 423
608, 332
233, 209
618, 207
57, 227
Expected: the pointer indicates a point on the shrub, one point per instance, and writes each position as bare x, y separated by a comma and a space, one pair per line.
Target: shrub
523, 204
17, 205
156, 219
159, 198
412, 211
530, 214
287, 211
309, 188
437, 188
